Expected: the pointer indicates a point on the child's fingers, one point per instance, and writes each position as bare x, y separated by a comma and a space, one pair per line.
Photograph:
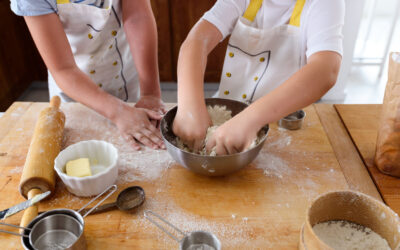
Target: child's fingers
198, 144
154, 122
144, 140
155, 130
131, 140
158, 122
210, 144
188, 143
153, 137
231, 149
220, 149
153, 115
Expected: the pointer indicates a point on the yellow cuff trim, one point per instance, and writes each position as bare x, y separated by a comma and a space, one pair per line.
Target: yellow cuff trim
62, 1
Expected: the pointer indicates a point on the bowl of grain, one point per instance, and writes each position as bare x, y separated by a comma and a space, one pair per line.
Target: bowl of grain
201, 162
349, 220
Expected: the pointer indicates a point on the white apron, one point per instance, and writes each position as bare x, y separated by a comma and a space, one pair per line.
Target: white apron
259, 60
100, 48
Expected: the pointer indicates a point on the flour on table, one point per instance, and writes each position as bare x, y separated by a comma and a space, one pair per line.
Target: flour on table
219, 115
143, 165
232, 232
348, 235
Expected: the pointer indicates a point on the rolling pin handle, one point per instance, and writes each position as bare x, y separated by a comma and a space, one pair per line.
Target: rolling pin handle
55, 101
32, 211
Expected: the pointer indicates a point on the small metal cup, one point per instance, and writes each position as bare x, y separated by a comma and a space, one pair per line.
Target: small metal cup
192, 241
293, 121
57, 231
200, 240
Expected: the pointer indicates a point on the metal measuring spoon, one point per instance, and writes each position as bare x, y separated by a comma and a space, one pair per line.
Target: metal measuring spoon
128, 199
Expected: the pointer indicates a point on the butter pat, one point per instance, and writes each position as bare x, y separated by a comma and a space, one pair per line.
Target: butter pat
78, 168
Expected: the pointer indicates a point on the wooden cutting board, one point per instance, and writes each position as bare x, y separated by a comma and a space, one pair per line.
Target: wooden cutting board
362, 123
262, 206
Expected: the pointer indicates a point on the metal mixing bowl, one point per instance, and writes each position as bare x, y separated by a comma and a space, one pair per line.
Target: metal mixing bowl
205, 164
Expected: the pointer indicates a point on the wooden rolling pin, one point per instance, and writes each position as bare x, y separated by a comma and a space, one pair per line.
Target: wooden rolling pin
38, 175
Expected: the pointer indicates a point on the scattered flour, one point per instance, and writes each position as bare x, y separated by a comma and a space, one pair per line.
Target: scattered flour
268, 159
147, 165
345, 235
231, 233
16, 170
85, 124
276, 161
151, 166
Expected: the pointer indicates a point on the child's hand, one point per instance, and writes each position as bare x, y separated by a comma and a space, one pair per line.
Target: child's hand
191, 126
151, 102
233, 136
134, 124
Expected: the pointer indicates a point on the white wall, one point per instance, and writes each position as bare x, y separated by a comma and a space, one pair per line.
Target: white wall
385, 7
353, 15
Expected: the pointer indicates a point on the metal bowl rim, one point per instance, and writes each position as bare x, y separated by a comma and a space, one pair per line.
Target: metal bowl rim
221, 156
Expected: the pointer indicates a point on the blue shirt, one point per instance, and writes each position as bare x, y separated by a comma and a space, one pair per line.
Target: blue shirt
43, 7
33, 7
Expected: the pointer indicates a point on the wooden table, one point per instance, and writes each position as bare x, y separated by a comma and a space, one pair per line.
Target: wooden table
362, 123
261, 206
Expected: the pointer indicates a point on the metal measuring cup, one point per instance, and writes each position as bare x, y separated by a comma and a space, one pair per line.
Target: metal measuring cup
196, 240
58, 228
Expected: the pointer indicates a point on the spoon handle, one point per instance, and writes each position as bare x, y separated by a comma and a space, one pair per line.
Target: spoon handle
100, 209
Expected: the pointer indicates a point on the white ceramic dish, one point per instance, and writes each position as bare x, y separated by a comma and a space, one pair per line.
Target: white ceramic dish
103, 158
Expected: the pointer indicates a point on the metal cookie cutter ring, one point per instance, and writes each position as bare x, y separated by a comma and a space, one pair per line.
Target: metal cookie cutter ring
191, 241
293, 121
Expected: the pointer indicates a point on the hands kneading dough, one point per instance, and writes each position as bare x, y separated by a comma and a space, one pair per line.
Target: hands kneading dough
219, 115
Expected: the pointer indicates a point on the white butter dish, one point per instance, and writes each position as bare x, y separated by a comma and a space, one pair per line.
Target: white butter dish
103, 157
